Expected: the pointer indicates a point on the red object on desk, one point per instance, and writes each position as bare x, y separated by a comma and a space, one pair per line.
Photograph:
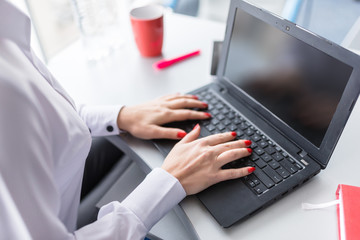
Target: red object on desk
166, 63
348, 211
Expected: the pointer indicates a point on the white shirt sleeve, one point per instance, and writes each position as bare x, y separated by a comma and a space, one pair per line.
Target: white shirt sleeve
101, 120
136, 215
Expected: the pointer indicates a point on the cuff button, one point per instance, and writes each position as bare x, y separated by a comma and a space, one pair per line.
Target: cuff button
109, 128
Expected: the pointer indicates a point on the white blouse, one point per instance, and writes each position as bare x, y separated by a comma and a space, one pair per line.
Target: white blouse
44, 141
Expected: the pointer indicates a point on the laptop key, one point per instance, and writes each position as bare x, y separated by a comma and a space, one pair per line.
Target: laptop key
253, 179
260, 163
260, 188
290, 160
227, 122
289, 166
274, 164
220, 126
219, 105
239, 133
243, 126
237, 120
249, 132
266, 157
210, 127
259, 151
284, 154
254, 157
215, 121
277, 156
225, 110
298, 166
262, 144
215, 112
233, 127
231, 115
270, 150
256, 137
206, 122
251, 183
220, 117
283, 172
264, 178
213, 101
272, 174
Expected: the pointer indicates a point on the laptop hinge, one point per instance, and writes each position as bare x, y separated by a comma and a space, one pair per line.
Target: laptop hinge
302, 153
221, 87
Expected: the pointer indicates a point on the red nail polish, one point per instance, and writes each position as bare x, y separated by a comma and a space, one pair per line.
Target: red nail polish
249, 150
234, 134
196, 126
208, 114
205, 105
251, 169
181, 134
195, 97
248, 142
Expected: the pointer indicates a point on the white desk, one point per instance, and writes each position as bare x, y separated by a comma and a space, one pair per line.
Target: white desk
128, 78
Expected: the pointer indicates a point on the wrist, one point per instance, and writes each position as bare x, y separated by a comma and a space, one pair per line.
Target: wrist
122, 121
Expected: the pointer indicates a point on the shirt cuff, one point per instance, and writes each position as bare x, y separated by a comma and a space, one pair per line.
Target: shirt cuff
155, 197
101, 120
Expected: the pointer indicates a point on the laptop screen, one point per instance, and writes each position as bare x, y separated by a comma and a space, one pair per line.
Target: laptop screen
298, 83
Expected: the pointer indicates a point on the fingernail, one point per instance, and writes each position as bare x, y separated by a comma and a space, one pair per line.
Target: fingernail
233, 133
208, 114
196, 126
249, 150
181, 134
248, 142
195, 97
251, 169
205, 105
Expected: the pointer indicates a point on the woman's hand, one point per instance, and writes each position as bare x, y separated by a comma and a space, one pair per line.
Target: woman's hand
145, 120
197, 163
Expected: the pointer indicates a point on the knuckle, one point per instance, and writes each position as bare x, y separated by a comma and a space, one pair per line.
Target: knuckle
185, 101
233, 174
204, 142
234, 155
207, 153
189, 113
227, 146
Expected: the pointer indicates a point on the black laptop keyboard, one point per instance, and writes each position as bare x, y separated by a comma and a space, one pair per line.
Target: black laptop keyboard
273, 164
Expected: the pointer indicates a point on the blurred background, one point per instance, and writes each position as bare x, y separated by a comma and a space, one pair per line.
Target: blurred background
56, 22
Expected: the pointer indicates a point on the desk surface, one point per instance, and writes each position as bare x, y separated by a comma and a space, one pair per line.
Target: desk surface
127, 78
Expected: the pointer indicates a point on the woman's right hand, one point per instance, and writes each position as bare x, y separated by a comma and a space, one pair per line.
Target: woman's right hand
197, 163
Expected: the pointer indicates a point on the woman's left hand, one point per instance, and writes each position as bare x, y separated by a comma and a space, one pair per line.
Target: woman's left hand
145, 120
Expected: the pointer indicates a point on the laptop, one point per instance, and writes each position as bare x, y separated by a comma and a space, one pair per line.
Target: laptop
288, 90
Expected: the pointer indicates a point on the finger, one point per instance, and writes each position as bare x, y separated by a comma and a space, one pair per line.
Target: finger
186, 114
232, 145
157, 132
233, 154
186, 103
193, 135
170, 96
216, 139
179, 95
229, 174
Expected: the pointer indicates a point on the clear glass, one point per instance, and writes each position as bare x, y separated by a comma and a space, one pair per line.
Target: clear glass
100, 24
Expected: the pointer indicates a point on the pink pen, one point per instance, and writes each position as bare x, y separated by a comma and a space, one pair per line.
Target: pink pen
166, 63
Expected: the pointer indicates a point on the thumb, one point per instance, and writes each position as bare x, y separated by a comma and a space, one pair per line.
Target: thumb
193, 135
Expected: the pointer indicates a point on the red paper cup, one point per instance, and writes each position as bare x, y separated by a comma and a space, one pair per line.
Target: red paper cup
148, 28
